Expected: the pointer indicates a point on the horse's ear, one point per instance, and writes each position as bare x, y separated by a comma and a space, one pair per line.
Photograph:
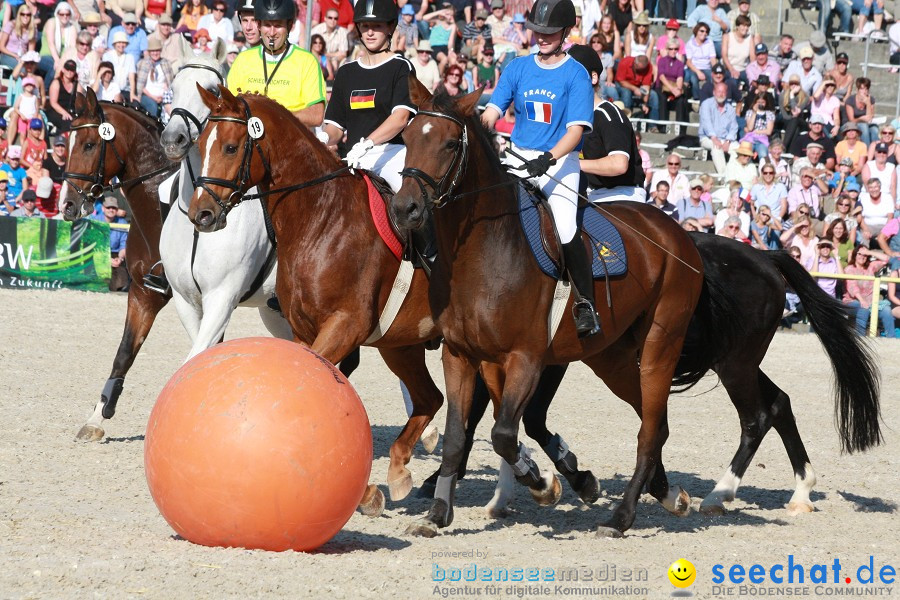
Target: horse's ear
418, 93
218, 50
80, 103
91, 101
209, 98
227, 96
467, 103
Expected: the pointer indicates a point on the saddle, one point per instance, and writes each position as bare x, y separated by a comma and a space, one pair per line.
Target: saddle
601, 238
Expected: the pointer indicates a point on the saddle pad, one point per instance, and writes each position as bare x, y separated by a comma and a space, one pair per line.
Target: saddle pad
378, 208
604, 238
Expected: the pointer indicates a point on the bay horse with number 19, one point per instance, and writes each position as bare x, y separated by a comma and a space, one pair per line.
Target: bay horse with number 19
491, 302
335, 274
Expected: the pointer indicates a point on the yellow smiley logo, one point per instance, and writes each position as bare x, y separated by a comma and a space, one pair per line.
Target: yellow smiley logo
682, 573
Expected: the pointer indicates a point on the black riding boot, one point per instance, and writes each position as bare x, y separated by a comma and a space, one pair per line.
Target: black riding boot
586, 322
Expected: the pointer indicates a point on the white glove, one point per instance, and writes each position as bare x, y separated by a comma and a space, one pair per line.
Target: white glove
323, 137
358, 150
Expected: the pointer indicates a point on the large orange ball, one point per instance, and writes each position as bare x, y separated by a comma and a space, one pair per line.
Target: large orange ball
258, 443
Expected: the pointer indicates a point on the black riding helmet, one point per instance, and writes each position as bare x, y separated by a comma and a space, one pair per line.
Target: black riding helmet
274, 10
550, 16
588, 58
375, 11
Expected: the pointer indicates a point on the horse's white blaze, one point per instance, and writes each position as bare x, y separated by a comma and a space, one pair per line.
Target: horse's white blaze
72, 137
210, 141
805, 483
724, 490
427, 128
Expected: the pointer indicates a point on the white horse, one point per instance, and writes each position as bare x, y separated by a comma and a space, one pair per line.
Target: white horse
211, 273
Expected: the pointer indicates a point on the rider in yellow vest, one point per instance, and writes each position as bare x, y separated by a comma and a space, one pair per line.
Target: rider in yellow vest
278, 69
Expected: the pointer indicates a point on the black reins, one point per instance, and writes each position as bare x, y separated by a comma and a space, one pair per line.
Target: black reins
240, 182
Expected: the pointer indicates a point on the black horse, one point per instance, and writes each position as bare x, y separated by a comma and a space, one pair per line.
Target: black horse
737, 316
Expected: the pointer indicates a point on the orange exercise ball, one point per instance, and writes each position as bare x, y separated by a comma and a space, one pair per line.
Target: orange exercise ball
258, 443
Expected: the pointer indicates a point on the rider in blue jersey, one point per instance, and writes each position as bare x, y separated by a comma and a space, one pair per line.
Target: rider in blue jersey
553, 100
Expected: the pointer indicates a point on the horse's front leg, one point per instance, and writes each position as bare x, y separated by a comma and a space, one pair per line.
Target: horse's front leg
143, 306
408, 363
459, 375
522, 373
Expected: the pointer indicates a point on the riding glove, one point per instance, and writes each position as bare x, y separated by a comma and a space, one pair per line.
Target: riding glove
323, 137
358, 150
540, 165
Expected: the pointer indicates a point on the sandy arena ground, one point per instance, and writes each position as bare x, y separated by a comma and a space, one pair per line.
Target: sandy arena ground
77, 520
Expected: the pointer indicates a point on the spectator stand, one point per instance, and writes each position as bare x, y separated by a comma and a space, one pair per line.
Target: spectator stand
876, 292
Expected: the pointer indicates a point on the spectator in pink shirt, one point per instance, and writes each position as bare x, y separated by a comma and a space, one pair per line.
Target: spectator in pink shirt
761, 65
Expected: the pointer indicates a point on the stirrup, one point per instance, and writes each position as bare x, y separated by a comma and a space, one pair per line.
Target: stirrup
586, 322
274, 304
157, 283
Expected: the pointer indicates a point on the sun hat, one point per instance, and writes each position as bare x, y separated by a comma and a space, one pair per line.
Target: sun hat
849, 126
120, 37
233, 49
407, 10
31, 56
154, 43
642, 19
846, 162
828, 243
91, 18
745, 149
130, 18
165, 19
110, 201
806, 52
497, 4
35, 124
424, 46
853, 186
201, 33
4, 176
44, 187
28, 81
518, 18
696, 182
815, 145
673, 24
481, 14
817, 119
15, 151
817, 39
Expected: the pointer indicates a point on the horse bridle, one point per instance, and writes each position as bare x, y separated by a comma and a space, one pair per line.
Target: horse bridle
422, 178
187, 116
237, 185
96, 179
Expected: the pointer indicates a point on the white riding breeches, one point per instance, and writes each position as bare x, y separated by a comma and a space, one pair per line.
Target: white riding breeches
386, 160
563, 199
622, 192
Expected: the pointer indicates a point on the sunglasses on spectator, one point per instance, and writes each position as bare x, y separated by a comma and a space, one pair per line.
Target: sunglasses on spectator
25, 14
767, 215
768, 172
733, 227
26, 200
674, 164
65, 14
843, 204
803, 213
697, 187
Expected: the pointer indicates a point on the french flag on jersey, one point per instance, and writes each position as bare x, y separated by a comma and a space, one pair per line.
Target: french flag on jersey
541, 112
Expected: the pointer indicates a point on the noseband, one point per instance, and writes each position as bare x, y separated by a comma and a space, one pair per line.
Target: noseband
95, 191
456, 167
187, 116
237, 185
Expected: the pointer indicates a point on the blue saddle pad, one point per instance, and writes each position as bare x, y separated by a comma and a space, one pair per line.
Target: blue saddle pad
605, 239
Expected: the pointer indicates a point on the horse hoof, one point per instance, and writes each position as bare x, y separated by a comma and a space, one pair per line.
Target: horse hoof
799, 508
400, 488
678, 502
422, 528
609, 532
372, 504
430, 438
712, 510
550, 494
590, 491
497, 512
90, 433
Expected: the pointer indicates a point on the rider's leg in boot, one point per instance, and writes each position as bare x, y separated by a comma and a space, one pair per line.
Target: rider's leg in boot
586, 322
274, 304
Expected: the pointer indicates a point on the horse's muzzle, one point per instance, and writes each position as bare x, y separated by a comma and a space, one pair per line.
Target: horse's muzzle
206, 221
409, 213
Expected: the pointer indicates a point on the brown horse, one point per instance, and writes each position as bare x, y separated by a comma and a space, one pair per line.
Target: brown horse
92, 163
334, 273
491, 302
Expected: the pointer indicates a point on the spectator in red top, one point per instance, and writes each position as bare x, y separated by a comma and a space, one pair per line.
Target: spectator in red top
35, 148
344, 8
634, 80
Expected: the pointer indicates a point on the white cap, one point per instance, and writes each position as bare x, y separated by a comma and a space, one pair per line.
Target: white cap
31, 56
44, 187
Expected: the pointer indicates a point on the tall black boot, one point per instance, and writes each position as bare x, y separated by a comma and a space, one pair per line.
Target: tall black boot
586, 322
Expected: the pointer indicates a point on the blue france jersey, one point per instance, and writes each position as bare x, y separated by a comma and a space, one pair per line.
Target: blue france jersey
546, 99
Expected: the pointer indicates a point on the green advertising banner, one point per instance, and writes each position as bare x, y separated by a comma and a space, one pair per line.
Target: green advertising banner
52, 254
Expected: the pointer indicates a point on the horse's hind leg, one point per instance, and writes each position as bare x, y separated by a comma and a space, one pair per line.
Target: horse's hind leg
779, 406
584, 483
408, 363
143, 306
743, 385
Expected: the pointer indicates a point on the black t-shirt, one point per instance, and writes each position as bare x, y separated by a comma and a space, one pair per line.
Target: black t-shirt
364, 97
621, 18
56, 171
798, 146
613, 134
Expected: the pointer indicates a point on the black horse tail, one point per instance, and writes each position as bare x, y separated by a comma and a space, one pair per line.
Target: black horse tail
856, 374
715, 327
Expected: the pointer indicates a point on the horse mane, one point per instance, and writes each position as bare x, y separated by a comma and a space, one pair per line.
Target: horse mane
442, 102
323, 157
138, 111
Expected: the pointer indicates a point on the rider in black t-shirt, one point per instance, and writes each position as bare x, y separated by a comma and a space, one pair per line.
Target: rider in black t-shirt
612, 162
